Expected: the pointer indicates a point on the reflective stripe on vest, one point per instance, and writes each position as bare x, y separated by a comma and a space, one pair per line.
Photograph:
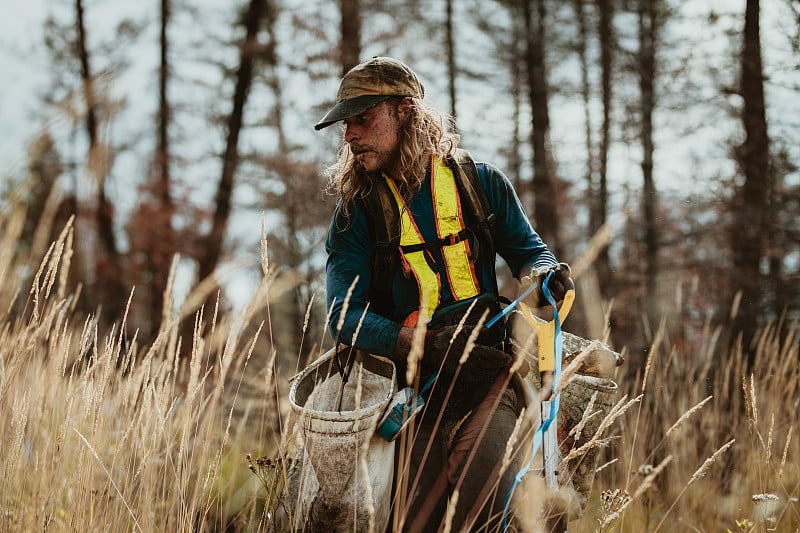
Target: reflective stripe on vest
449, 222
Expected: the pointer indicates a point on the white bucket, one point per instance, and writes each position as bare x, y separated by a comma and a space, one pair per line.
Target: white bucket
343, 475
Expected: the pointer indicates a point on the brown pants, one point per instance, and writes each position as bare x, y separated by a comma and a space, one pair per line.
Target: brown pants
466, 455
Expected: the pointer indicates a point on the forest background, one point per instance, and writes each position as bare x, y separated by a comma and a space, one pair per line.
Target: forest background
655, 143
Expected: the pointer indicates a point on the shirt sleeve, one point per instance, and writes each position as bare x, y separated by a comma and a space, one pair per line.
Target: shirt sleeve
348, 278
515, 239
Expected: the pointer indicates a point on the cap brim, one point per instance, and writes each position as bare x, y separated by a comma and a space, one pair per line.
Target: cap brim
348, 108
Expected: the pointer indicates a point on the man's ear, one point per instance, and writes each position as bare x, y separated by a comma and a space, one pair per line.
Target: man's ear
404, 108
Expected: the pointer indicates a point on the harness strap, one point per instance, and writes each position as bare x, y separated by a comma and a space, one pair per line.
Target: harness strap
453, 238
474, 198
384, 215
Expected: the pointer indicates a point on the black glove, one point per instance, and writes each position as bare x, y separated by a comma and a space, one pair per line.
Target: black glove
483, 362
559, 284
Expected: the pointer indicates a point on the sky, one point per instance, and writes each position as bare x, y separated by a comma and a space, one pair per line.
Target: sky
22, 63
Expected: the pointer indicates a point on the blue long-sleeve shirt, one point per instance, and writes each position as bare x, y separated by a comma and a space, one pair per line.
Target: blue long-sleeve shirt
350, 255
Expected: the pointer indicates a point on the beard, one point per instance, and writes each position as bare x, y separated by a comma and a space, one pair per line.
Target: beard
371, 160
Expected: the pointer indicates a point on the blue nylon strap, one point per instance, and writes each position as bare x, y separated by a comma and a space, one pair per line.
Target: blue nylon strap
428, 384
511, 306
554, 403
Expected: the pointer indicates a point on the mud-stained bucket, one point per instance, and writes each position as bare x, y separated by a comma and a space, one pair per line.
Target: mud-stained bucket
343, 476
593, 385
581, 392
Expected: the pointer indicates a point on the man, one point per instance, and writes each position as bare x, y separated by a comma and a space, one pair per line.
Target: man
397, 145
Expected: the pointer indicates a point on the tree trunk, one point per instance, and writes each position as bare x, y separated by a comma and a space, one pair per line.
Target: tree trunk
160, 256
351, 34
648, 35
583, 36
291, 204
164, 113
751, 200
607, 45
86, 77
450, 48
517, 84
545, 200
244, 76
109, 290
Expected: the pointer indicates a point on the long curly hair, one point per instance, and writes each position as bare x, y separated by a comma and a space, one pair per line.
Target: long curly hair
427, 131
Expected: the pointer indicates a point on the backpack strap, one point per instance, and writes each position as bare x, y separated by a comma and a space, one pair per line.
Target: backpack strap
474, 194
384, 216
474, 198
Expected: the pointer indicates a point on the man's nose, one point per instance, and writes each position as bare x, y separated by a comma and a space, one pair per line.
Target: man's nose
350, 133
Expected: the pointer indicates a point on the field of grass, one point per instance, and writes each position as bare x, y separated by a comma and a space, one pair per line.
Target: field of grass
706, 448
101, 433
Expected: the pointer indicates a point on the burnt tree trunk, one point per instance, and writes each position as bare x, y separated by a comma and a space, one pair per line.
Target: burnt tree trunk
751, 201
648, 31
607, 45
517, 88
163, 248
450, 49
109, 290
589, 177
212, 251
545, 198
351, 34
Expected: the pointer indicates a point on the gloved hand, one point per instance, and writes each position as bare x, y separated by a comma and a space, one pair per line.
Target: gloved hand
558, 285
482, 363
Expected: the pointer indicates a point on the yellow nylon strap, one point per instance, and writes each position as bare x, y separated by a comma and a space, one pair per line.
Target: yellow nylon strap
427, 280
447, 206
449, 221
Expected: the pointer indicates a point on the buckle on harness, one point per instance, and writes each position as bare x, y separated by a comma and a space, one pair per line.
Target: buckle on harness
455, 238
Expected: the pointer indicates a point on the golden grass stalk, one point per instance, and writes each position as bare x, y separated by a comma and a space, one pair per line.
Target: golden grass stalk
155, 435
619, 508
588, 415
574, 365
111, 479
617, 410
452, 502
768, 448
686, 416
785, 452
698, 474
345, 306
13, 224
703, 470
599, 241
512, 442
416, 353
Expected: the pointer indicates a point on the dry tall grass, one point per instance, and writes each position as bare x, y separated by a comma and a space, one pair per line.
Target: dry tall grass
101, 434
709, 448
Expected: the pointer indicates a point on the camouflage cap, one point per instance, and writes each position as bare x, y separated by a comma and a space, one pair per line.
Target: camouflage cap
370, 83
